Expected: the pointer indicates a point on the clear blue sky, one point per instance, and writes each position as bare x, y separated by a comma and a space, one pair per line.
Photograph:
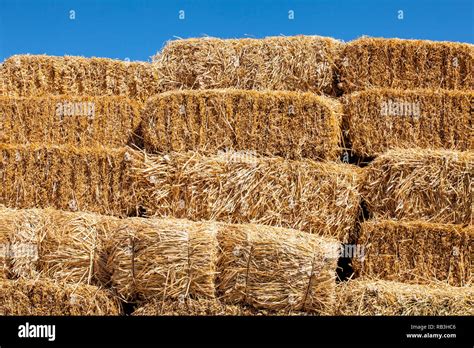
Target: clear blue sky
137, 29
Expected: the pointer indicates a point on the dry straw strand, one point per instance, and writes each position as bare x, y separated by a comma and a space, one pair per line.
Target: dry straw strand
405, 64
381, 297
78, 121
304, 63
413, 184
41, 75
281, 123
416, 252
232, 187
380, 119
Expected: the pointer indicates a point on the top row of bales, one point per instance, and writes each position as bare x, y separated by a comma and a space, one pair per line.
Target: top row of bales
299, 63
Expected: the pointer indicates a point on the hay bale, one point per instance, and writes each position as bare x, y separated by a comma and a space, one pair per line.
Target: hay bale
431, 185
41, 75
45, 297
405, 64
55, 244
380, 119
64, 177
78, 121
276, 269
381, 297
304, 63
167, 258
416, 251
193, 307
282, 123
232, 187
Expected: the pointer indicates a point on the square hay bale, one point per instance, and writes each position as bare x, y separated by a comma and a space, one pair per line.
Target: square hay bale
276, 269
64, 177
416, 252
281, 123
41, 75
79, 121
382, 297
235, 187
48, 298
304, 63
55, 244
405, 64
165, 258
414, 184
377, 120
193, 307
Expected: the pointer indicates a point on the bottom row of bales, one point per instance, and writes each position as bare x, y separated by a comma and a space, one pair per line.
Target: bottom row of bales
179, 267
355, 297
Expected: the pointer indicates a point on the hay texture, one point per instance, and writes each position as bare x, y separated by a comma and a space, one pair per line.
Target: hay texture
236, 187
45, 297
405, 64
202, 307
416, 252
78, 121
55, 244
377, 120
287, 124
380, 297
164, 258
276, 269
41, 75
431, 185
304, 63
193, 307
64, 177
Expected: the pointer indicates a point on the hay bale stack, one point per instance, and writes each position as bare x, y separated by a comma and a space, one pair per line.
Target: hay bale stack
431, 185
78, 121
166, 258
64, 177
232, 187
304, 63
40, 75
380, 297
45, 297
281, 123
416, 251
377, 120
55, 244
276, 269
405, 64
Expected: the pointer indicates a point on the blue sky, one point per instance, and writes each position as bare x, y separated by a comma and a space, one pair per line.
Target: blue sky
137, 29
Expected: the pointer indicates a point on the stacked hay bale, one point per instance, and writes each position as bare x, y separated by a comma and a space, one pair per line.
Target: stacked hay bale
66, 122
295, 63
41, 75
45, 297
408, 105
